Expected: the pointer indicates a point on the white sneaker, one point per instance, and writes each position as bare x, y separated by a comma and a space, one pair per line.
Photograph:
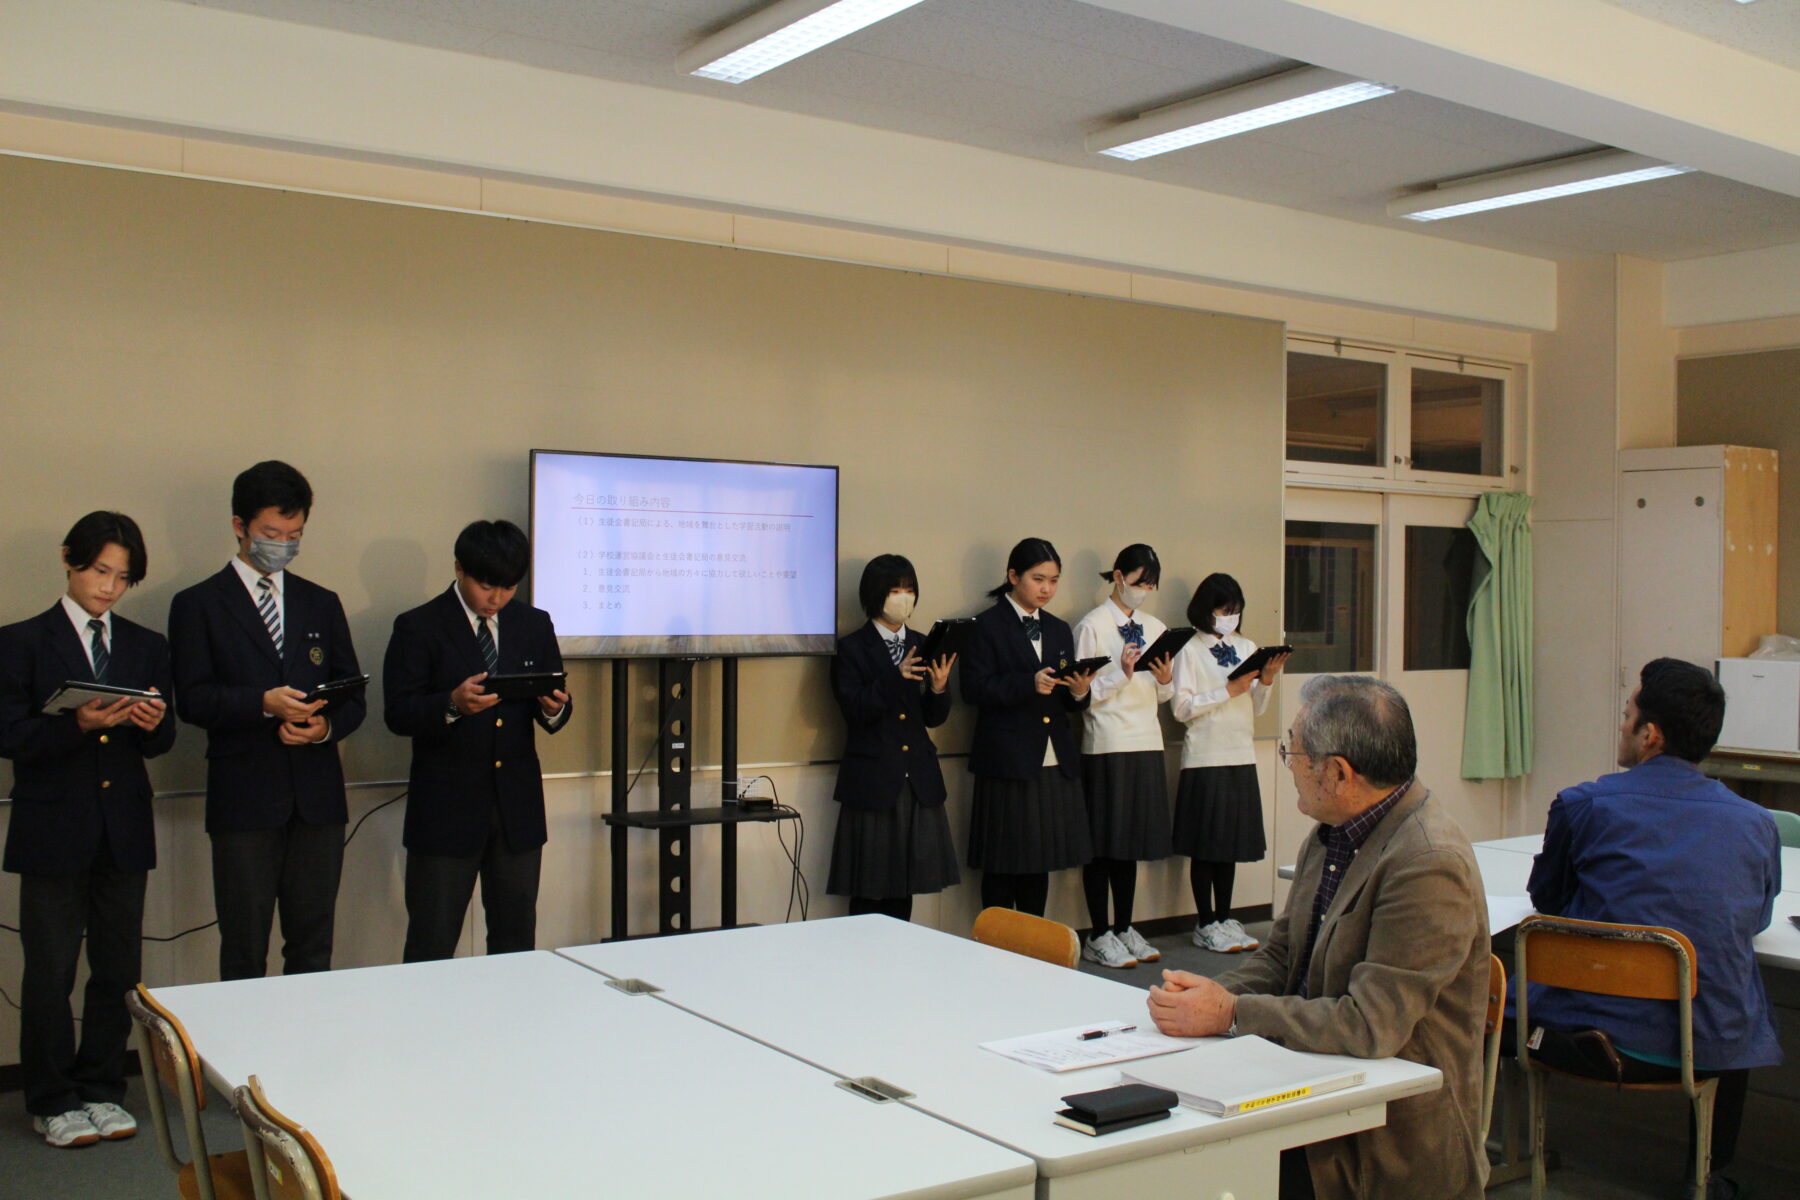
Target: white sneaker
1108, 951
1137, 947
1237, 931
66, 1130
1215, 937
112, 1122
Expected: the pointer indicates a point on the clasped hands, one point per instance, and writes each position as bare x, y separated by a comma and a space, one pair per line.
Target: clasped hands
1189, 1005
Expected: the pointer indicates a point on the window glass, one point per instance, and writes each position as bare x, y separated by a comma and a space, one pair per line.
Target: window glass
1440, 576
1334, 409
1330, 596
1456, 423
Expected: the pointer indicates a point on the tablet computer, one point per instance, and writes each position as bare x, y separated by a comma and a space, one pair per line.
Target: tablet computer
527, 685
948, 636
72, 695
1170, 643
338, 689
1081, 665
1258, 660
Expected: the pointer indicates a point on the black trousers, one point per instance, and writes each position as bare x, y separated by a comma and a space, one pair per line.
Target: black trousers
293, 869
1582, 1055
439, 887
54, 910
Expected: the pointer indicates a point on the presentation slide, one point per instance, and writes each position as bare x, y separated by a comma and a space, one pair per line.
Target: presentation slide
660, 557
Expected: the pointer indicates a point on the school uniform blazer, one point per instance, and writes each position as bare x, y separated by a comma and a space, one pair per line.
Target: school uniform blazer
1399, 968
224, 662
463, 769
1014, 721
886, 716
72, 790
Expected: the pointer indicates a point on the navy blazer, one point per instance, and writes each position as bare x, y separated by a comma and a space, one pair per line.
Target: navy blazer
463, 769
224, 662
1013, 721
73, 790
886, 718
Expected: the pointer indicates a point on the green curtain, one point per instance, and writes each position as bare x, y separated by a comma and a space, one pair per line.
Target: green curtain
1497, 721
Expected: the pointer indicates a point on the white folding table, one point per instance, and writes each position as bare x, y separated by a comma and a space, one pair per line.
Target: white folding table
525, 1075
871, 996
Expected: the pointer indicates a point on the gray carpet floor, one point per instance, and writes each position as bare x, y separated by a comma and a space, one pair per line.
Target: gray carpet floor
1612, 1147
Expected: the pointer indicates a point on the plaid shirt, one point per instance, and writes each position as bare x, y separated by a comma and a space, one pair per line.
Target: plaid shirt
1341, 844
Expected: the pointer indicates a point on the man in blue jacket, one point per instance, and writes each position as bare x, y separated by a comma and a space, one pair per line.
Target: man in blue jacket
1661, 844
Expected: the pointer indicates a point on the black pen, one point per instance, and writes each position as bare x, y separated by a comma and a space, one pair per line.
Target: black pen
1091, 1034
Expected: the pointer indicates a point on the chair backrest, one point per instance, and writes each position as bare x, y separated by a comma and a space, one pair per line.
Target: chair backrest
1788, 825
1022, 933
1646, 961
168, 1056
286, 1161
1496, 996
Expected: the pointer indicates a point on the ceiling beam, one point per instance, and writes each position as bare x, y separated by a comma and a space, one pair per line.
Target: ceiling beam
1581, 67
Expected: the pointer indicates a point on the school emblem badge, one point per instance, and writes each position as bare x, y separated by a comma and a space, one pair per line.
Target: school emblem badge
317, 654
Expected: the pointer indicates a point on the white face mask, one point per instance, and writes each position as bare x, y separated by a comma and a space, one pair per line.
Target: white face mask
1226, 624
899, 606
1134, 597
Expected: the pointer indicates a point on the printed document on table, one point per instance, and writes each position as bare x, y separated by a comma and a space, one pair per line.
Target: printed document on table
1506, 911
1068, 1050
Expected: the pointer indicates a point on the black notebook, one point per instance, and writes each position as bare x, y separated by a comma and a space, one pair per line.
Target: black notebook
1109, 1110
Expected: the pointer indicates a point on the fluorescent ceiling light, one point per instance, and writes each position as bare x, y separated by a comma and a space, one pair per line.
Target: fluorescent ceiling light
1270, 100
781, 33
1589, 172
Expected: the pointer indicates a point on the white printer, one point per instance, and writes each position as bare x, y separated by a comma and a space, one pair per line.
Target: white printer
1762, 705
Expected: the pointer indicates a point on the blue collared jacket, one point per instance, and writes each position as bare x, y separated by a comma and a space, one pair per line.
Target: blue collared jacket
1661, 844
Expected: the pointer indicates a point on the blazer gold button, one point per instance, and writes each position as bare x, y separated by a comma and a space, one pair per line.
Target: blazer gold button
1046, 720
499, 721
902, 717
496, 764
106, 783
904, 749
103, 738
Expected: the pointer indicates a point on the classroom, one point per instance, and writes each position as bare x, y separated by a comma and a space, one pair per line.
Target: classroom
403, 245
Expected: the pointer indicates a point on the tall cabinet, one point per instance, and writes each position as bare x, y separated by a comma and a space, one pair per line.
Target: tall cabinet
1697, 554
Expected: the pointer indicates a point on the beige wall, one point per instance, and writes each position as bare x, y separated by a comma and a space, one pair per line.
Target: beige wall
1753, 400
158, 334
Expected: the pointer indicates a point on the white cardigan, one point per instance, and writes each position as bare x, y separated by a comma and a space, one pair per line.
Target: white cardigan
1221, 729
1121, 715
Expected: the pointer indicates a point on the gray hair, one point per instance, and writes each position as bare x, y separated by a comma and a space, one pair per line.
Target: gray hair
1362, 720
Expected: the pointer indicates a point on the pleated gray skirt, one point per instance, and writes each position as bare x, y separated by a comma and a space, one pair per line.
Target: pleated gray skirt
1218, 815
885, 854
1127, 804
1023, 826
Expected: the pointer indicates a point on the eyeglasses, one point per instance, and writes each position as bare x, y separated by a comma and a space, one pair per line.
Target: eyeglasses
1283, 753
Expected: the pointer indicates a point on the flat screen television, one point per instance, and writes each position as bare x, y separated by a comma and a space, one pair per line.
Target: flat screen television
636, 556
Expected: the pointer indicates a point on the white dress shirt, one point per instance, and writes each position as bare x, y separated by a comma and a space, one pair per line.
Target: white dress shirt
78, 617
1221, 728
1037, 647
1121, 715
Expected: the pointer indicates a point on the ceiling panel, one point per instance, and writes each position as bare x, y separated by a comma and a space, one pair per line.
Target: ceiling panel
1033, 77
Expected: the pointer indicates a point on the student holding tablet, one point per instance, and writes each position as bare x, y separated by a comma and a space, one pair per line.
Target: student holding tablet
1122, 764
893, 838
1029, 817
1218, 805
82, 838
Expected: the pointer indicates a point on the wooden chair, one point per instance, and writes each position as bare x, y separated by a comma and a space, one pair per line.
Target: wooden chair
1496, 1018
169, 1062
1022, 933
286, 1162
1644, 961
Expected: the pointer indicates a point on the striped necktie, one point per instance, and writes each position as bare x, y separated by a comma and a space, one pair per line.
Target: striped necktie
896, 649
97, 647
484, 641
265, 605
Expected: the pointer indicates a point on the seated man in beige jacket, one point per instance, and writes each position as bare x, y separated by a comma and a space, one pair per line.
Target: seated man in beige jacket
1382, 951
